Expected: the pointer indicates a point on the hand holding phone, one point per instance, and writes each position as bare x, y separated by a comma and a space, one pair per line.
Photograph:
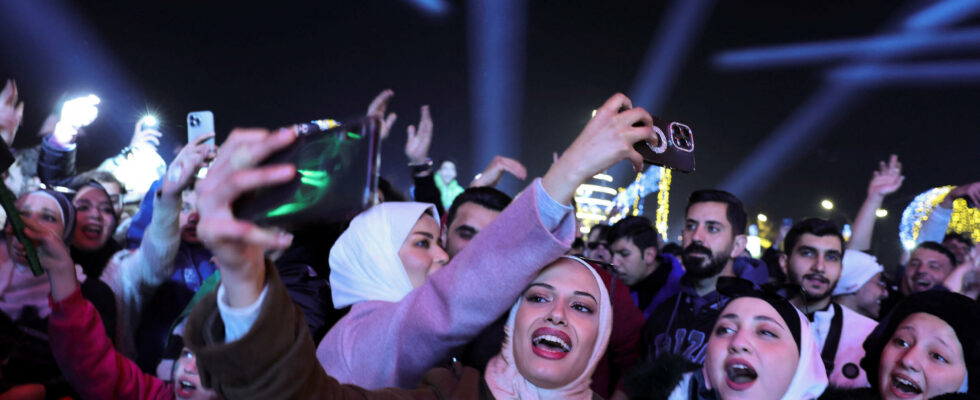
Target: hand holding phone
336, 176
200, 123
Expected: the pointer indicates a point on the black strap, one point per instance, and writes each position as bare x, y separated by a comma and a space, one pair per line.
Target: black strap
833, 338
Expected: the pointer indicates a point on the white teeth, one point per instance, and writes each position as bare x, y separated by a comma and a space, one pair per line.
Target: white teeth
907, 383
553, 340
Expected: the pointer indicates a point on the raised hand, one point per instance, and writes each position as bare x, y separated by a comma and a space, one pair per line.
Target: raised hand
495, 170
606, 139
970, 191
238, 245
146, 138
378, 107
11, 112
191, 158
887, 179
419, 140
53, 254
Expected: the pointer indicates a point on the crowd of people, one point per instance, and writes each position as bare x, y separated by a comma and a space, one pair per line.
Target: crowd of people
456, 292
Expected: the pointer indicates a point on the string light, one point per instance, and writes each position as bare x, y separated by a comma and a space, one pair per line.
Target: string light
965, 220
663, 202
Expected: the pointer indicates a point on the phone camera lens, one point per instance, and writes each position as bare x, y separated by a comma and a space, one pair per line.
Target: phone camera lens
193, 121
681, 137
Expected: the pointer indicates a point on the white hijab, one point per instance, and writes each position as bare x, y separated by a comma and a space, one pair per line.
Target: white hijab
364, 263
810, 378
808, 383
506, 382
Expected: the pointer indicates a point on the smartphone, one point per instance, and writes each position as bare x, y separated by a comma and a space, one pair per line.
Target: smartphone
676, 149
199, 123
336, 176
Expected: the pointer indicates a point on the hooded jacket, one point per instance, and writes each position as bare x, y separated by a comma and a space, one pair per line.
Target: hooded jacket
682, 323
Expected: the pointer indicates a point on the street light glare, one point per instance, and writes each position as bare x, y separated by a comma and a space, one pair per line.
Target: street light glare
881, 213
827, 204
762, 218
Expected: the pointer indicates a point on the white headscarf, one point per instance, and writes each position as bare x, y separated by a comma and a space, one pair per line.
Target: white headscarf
364, 263
810, 378
506, 382
809, 381
858, 268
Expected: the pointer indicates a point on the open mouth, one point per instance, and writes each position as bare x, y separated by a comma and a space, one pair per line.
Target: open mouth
905, 387
922, 284
185, 389
739, 374
92, 231
551, 344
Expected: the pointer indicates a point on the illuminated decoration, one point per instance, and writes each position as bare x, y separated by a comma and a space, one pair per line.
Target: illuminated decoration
753, 244
964, 220
603, 177
663, 202
766, 233
592, 200
598, 203
629, 200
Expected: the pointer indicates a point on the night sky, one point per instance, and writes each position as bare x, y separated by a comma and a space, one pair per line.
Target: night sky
273, 64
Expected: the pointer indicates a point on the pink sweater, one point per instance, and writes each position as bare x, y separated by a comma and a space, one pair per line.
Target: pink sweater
86, 356
382, 344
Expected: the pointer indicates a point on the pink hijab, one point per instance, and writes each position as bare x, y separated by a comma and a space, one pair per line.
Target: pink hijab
506, 382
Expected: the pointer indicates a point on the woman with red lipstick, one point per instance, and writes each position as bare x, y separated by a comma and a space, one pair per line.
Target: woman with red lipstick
556, 334
927, 346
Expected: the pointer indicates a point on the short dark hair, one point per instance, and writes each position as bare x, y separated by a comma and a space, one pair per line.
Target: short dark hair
815, 226
485, 196
935, 246
602, 230
639, 229
959, 237
735, 211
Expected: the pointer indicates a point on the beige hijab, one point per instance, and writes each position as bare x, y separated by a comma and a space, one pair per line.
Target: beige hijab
506, 382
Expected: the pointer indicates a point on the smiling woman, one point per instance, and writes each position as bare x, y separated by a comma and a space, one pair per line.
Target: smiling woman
556, 334
927, 346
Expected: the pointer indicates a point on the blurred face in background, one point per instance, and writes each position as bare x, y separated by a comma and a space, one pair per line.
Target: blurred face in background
95, 219
926, 269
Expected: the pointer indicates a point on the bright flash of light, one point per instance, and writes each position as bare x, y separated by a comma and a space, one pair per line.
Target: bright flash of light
762, 218
827, 204
149, 121
881, 213
80, 111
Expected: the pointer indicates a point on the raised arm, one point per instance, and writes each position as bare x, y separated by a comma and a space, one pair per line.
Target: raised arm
884, 181
383, 344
